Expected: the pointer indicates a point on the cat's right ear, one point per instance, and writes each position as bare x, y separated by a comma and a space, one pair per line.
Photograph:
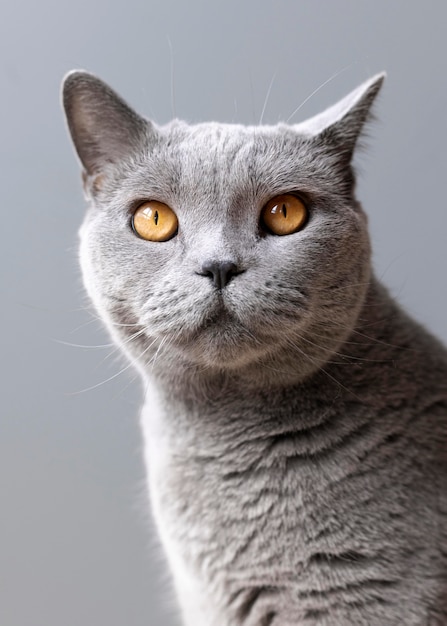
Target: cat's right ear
340, 126
104, 129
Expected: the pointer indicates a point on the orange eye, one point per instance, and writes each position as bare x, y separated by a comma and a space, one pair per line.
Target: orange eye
284, 215
155, 221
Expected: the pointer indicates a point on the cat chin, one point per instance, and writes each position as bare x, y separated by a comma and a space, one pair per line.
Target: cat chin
225, 347
244, 363
237, 351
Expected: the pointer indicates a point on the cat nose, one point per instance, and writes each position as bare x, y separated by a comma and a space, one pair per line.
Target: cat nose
221, 272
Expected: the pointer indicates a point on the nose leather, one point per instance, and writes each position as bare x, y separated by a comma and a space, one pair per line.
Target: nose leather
220, 272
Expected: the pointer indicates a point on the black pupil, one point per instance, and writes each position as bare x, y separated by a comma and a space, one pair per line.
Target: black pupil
156, 218
284, 210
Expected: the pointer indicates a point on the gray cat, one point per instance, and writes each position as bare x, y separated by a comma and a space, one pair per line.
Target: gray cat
295, 420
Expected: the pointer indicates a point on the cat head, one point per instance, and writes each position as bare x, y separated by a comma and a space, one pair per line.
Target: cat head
221, 247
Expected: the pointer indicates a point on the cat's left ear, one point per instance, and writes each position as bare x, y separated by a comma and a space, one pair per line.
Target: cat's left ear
341, 124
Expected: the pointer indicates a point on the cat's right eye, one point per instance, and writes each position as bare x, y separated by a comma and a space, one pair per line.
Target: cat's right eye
155, 221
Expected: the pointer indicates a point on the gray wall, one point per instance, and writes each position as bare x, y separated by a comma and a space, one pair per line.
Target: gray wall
75, 547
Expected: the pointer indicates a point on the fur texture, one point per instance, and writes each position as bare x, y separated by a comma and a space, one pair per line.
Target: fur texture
296, 419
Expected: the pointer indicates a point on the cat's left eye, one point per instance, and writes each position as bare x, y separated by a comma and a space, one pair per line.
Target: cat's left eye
155, 221
284, 214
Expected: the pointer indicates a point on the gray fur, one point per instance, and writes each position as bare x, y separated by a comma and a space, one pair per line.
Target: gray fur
296, 420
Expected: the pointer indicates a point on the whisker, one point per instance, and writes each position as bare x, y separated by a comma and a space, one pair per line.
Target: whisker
119, 325
337, 382
335, 288
345, 357
323, 370
83, 325
126, 341
97, 318
103, 382
80, 345
124, 369
153, 359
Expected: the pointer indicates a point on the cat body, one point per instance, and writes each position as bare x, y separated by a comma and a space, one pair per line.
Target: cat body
339, 520
295, 420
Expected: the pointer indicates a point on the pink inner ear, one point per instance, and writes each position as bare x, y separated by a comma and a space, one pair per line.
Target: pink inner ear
98, 182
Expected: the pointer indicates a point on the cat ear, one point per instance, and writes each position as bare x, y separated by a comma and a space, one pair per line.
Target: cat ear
104, 129
342, 123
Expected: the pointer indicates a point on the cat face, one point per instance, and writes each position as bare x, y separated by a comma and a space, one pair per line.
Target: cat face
224, 290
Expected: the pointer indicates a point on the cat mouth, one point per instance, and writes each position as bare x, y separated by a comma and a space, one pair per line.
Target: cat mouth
220, 317
219, 338
218, 330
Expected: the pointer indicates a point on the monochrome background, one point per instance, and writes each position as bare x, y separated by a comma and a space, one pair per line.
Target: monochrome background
77, 547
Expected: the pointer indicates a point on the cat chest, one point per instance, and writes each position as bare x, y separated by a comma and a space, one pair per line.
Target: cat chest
251, 517
260, 520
